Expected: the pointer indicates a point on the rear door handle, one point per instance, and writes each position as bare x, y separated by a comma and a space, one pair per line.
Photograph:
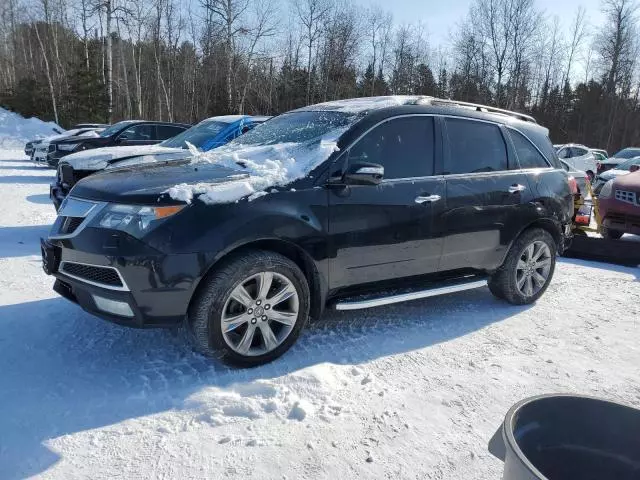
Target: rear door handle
427, 199
516, 188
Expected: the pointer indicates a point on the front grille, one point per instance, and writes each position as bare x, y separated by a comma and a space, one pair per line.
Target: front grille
101, 275
70, 224
626, 196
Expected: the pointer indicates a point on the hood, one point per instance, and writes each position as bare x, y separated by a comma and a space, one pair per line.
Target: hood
148, 184
100, 158
630, 181
613, 173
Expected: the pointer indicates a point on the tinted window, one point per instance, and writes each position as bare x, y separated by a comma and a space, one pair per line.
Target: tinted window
167, 131
528, 155
115, 128
474, 147
138, 132
628, 153
403, 146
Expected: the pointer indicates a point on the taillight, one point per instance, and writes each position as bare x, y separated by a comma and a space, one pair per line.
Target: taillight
573, 185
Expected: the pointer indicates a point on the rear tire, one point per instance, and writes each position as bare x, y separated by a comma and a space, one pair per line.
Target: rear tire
527, 270
611, 234
240, 300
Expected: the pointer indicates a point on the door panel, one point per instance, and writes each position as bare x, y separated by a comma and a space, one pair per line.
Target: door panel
482, 217
381, 233
485, 200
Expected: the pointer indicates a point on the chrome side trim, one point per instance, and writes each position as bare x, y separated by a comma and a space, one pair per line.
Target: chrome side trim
123, 288
404, 297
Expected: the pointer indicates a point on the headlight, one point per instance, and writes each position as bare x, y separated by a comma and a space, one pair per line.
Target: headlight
607, 190
67, 147
136, 220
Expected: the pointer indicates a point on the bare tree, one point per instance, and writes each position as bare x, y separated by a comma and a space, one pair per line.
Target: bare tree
577, 37
312, 14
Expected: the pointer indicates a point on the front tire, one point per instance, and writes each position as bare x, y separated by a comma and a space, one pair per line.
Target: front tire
527, 270
250, 310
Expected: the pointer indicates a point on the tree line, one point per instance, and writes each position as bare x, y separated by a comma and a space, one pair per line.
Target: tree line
105, 60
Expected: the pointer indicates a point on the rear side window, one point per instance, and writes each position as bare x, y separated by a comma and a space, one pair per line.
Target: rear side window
403, 146
474, 147
167, 131
578, 152
528, 155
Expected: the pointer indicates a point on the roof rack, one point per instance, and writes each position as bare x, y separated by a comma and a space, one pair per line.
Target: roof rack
479, 108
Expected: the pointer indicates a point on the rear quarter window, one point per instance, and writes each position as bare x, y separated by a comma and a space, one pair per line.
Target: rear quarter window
528, 154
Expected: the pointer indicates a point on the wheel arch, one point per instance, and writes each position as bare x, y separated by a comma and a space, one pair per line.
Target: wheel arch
317, 284
552, 226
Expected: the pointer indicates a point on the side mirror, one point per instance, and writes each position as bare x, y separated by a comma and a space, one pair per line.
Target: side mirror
364, 173
634, 168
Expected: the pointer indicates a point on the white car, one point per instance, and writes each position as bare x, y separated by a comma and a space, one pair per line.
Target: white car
579, 157
40, 150
628, 166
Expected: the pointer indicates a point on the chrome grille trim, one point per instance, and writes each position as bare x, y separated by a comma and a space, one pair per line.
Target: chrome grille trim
123, 288
75, 207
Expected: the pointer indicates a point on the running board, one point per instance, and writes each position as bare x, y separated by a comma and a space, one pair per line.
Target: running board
416, 295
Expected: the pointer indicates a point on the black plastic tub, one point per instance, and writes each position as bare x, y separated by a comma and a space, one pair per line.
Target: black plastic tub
569, 437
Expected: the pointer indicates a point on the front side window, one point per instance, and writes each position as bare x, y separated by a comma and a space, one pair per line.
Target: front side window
474, 147
115, 128
528, 155
403, 146
138, 132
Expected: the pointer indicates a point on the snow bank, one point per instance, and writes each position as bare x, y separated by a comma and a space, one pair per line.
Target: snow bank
15, 130
267, 166
359, 105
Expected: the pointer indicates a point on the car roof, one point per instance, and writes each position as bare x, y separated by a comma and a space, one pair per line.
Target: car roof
234, 118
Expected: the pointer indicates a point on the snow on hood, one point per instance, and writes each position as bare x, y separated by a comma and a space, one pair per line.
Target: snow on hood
267, 166
613, 173
99, 158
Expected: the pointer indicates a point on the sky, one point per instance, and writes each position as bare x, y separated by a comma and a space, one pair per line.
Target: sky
441, 16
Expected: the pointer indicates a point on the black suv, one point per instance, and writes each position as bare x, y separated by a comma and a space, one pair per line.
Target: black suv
417, 199
128, 132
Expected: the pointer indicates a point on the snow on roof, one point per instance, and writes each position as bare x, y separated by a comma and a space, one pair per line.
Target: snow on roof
228, 118
359, 105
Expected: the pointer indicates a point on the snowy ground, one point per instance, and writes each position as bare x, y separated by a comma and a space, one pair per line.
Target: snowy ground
406, 391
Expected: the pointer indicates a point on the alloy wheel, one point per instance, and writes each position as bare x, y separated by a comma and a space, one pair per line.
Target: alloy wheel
260, 313
533, 268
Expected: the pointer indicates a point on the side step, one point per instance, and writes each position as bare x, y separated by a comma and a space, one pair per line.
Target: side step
356, 303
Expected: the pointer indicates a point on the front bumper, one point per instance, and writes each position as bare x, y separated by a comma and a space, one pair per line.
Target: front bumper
620, 216
157, 288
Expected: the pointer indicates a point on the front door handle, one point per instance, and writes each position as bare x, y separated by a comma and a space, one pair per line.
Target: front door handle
516, 188
427, 199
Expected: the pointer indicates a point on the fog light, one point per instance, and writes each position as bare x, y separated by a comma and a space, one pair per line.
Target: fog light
113, 306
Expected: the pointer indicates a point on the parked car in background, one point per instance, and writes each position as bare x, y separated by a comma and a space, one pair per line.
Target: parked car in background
579, 157
581, 178
618, 158
41, 150
128, 132
620, 169
619, 203
330, 204
600, 151
210, 133
29, 147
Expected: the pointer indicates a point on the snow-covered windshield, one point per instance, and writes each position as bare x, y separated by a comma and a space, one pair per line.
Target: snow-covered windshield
628, 153
116, 127
627, 164
198, 135
296, 127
